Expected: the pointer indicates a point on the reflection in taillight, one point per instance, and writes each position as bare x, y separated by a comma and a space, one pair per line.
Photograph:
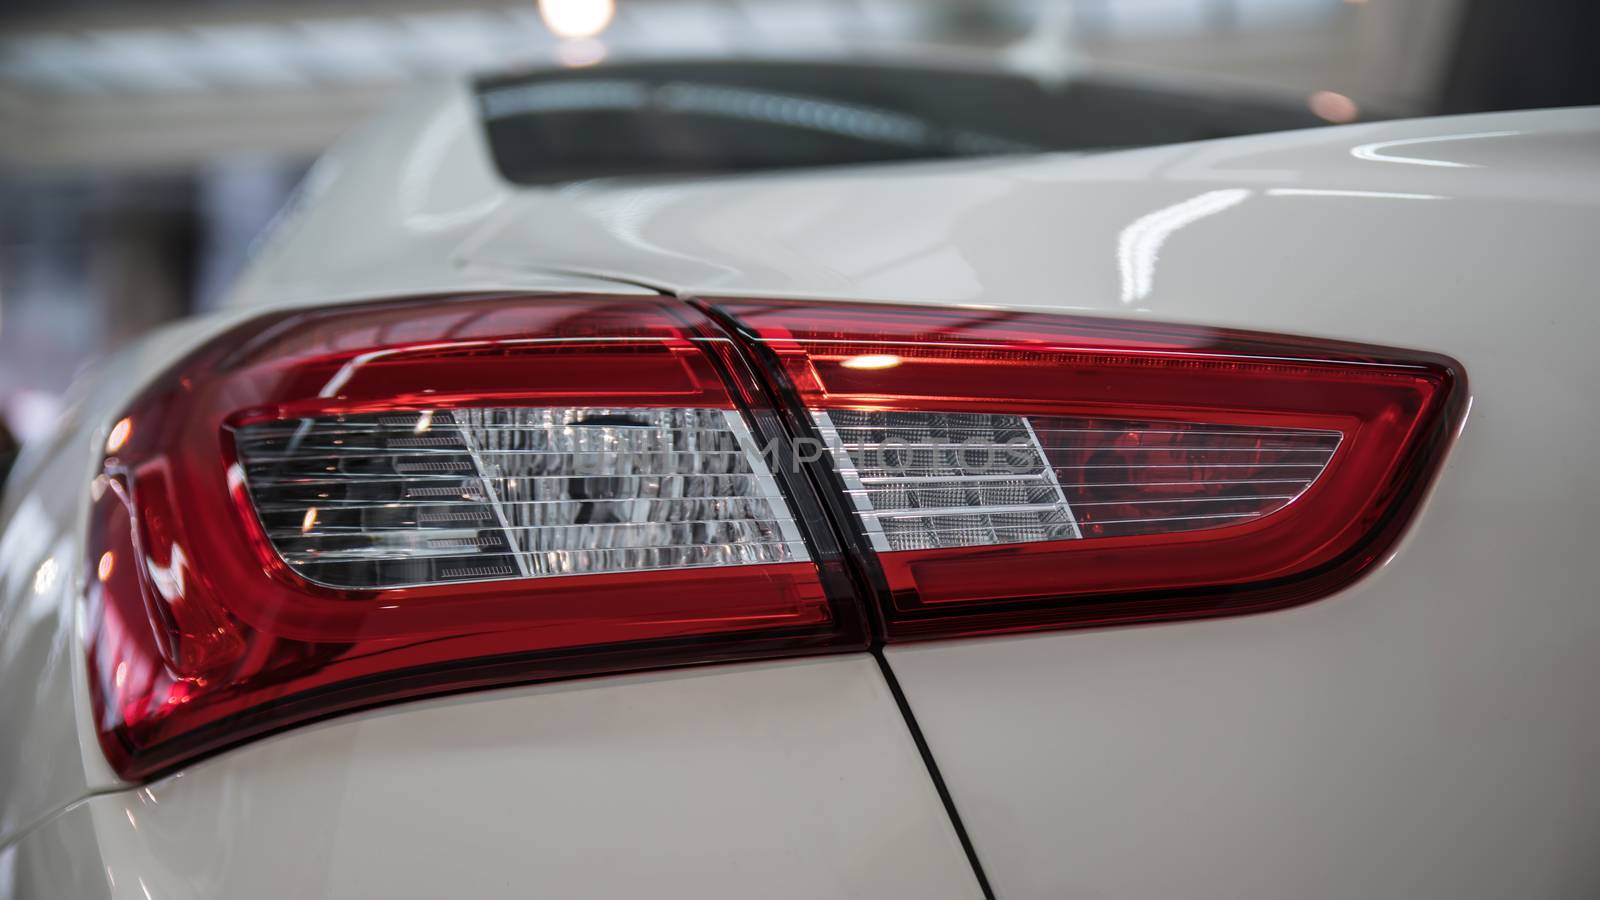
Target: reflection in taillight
1009, 471
327, 509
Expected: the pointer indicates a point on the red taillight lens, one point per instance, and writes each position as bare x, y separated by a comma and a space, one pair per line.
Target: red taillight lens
1011, 471
332, 508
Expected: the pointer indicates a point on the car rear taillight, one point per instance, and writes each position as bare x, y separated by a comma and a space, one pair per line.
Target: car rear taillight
333, 508
1008, 471
327, 509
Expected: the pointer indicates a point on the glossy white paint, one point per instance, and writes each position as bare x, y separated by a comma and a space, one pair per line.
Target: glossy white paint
1426, 733
790, 779
1269, 232
378, 215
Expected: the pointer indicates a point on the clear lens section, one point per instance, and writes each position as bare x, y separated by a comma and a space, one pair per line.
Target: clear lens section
410, 498
926, 480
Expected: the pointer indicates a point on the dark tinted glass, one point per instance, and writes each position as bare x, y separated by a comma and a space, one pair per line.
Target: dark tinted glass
672, 118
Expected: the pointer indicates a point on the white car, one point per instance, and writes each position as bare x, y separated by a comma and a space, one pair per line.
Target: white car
561, 510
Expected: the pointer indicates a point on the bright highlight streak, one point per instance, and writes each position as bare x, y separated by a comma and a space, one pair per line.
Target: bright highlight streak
44, 578
108, 563
310, 521
577, 18
872, 361
1377, 152
1139, 245
118, 438
1329, 192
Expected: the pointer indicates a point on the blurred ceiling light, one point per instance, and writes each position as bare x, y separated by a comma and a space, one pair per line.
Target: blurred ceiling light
579, 52
1333, 107
31, 413
577, 18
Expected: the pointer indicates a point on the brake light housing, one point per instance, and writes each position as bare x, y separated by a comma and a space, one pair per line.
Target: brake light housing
339, 507
1010, 471
331, 508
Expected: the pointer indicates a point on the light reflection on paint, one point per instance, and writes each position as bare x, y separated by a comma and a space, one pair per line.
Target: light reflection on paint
1379, 151
1139, 244
44, 578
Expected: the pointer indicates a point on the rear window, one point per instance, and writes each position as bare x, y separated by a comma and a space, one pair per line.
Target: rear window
701, 118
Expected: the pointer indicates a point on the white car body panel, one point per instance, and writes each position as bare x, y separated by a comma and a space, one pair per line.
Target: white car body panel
1424, 733
1115, 234
378, 215
791, 779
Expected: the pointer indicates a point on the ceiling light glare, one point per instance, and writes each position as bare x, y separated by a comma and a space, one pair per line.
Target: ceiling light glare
577, 18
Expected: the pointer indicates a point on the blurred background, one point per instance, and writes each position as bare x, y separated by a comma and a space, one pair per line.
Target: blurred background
144, 146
